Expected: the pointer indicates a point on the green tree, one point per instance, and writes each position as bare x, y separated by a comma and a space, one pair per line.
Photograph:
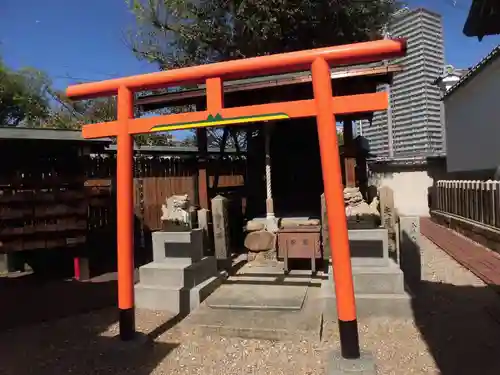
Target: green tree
178, 33
68, 114
189, 141
23, 96
156, 139
340, 138
27, 98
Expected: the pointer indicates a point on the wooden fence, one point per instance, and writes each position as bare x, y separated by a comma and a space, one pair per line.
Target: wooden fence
62, 200
43, 203
58, 199
155, 179
478, 201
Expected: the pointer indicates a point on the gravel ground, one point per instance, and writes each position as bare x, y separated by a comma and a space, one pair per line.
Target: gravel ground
454, 332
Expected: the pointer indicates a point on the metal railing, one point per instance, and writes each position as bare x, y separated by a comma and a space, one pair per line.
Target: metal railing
474, 200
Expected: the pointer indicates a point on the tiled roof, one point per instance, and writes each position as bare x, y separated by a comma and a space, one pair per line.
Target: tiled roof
492, 56
483, 19
17, 132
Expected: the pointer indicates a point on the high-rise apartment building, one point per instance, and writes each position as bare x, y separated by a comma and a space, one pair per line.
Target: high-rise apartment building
413, 124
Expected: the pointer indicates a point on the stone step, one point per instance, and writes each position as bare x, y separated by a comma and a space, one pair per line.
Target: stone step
379, 290
260, 324
178, 272
397, 305
377, 280
258, 297
177, 300
370, 262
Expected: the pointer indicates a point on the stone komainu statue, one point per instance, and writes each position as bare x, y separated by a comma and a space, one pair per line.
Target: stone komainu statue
358, 211
177, 213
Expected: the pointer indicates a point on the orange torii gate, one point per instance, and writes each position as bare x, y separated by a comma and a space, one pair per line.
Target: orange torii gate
324, 106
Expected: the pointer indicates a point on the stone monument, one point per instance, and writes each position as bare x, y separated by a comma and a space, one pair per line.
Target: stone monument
388, 219
261, 246
259, 242
220, 221
204, 217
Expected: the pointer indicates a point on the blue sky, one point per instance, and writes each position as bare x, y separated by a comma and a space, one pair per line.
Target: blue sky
85, 40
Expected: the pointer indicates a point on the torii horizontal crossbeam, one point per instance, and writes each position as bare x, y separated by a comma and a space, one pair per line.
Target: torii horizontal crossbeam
240, 115
348, 54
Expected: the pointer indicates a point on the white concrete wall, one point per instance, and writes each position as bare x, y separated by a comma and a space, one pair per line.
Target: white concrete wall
410, 189
473, 122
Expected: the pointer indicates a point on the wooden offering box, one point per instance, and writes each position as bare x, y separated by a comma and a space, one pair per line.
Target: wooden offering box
300, 242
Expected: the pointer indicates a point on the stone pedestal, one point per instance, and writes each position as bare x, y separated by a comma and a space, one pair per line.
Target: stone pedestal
186, 244
369, 247
6, 263
378, 281
180, 276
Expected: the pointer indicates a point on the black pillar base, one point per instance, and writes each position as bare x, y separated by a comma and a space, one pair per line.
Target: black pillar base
349, 339
127, 324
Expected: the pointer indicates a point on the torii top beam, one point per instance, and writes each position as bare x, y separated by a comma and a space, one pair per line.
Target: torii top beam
214, 74
357, 53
